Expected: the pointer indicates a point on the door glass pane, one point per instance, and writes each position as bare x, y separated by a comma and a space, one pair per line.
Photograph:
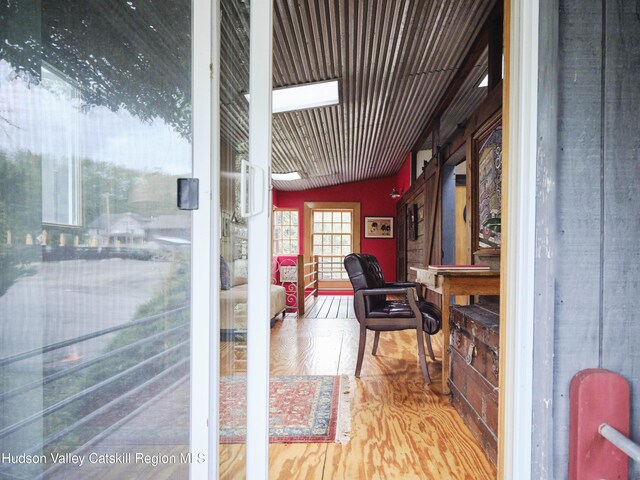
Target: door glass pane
234, 139
95, 258
334, 247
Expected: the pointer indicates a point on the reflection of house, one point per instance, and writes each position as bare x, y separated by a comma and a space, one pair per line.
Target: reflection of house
133, 229
126, 228
174, 229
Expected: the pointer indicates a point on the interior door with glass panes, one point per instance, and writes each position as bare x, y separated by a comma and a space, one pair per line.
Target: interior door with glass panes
332, 231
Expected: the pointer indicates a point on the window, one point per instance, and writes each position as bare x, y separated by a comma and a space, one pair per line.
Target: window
332, 240
285, 232
60, 166
331, 231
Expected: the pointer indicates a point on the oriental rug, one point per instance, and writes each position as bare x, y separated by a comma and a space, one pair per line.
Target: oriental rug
302, 409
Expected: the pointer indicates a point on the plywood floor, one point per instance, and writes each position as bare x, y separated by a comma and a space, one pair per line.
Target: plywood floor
401, 428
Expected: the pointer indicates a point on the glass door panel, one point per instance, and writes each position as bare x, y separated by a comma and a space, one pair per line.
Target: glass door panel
245, 266
234, 261
95, 258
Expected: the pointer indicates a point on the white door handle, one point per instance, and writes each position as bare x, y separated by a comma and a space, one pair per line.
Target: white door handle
252, 180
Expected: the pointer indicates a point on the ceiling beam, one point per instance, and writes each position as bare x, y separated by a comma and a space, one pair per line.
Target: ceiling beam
470, 60
495, 46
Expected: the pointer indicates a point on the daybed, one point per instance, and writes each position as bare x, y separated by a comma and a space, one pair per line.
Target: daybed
233, 306
233, 298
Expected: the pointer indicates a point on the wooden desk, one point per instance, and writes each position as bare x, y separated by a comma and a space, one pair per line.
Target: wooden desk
455, 283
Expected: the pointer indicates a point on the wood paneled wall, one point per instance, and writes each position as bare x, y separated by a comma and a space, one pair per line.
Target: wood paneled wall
427, 247
415, 248
426, 193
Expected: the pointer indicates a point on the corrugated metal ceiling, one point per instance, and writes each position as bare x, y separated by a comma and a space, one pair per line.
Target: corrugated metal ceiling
393, 58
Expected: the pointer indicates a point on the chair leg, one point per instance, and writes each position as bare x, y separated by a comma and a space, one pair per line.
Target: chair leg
375, 343
429, 347
423, 360
363, 341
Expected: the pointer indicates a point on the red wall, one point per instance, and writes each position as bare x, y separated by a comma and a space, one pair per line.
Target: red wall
373, 196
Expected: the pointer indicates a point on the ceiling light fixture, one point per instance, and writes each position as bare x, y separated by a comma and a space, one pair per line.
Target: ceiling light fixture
300, 97
286, 177
394, 193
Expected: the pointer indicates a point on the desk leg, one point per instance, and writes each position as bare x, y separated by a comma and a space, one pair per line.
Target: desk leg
445, 338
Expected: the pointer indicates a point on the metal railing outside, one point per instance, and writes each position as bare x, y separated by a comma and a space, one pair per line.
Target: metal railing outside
159, 355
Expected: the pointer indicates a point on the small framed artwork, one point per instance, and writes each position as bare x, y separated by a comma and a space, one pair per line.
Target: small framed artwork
378, 227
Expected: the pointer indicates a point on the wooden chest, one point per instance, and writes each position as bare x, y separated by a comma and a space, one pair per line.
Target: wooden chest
474, 372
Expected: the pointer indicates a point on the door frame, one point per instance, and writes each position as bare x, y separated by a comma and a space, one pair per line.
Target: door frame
205, 272
521, 34
204, 342
259, 250
307, 223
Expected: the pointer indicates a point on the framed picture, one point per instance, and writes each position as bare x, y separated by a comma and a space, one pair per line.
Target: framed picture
487, 186
378, 227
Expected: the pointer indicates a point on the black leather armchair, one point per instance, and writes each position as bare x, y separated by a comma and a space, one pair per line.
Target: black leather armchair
375, 312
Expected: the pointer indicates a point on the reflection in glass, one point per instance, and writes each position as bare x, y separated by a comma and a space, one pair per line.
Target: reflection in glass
95, 126
234, 140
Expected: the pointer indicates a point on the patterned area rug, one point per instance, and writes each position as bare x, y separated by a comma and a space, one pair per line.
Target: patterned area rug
302, 409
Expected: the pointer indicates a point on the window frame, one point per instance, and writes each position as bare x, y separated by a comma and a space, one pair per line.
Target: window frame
72, 162
274, 241
356, 221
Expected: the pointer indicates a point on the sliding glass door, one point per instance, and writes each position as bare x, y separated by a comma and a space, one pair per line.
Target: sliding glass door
95, 257
126, 330
244, 209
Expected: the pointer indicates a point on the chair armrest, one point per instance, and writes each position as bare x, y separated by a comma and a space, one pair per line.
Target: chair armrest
415, 285
409, 292
387, 291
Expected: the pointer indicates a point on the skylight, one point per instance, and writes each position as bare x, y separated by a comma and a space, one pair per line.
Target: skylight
287, 177
299, 97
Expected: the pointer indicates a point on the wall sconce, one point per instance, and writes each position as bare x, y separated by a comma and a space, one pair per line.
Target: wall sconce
394, 193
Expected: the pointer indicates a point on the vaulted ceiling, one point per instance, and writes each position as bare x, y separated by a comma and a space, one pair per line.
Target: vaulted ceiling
394, 60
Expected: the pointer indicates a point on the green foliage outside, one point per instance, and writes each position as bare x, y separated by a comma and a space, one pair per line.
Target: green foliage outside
116, 52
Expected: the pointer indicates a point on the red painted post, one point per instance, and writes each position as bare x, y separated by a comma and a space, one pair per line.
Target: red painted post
597, 396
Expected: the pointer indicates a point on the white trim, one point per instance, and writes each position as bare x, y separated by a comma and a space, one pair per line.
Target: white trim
259, 248
214, 239
521, 182
203, 230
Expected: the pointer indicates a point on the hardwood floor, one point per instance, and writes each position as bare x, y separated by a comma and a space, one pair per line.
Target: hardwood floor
401, 428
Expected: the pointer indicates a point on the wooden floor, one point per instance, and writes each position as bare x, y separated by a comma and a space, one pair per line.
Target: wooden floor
325, 306
401, 428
